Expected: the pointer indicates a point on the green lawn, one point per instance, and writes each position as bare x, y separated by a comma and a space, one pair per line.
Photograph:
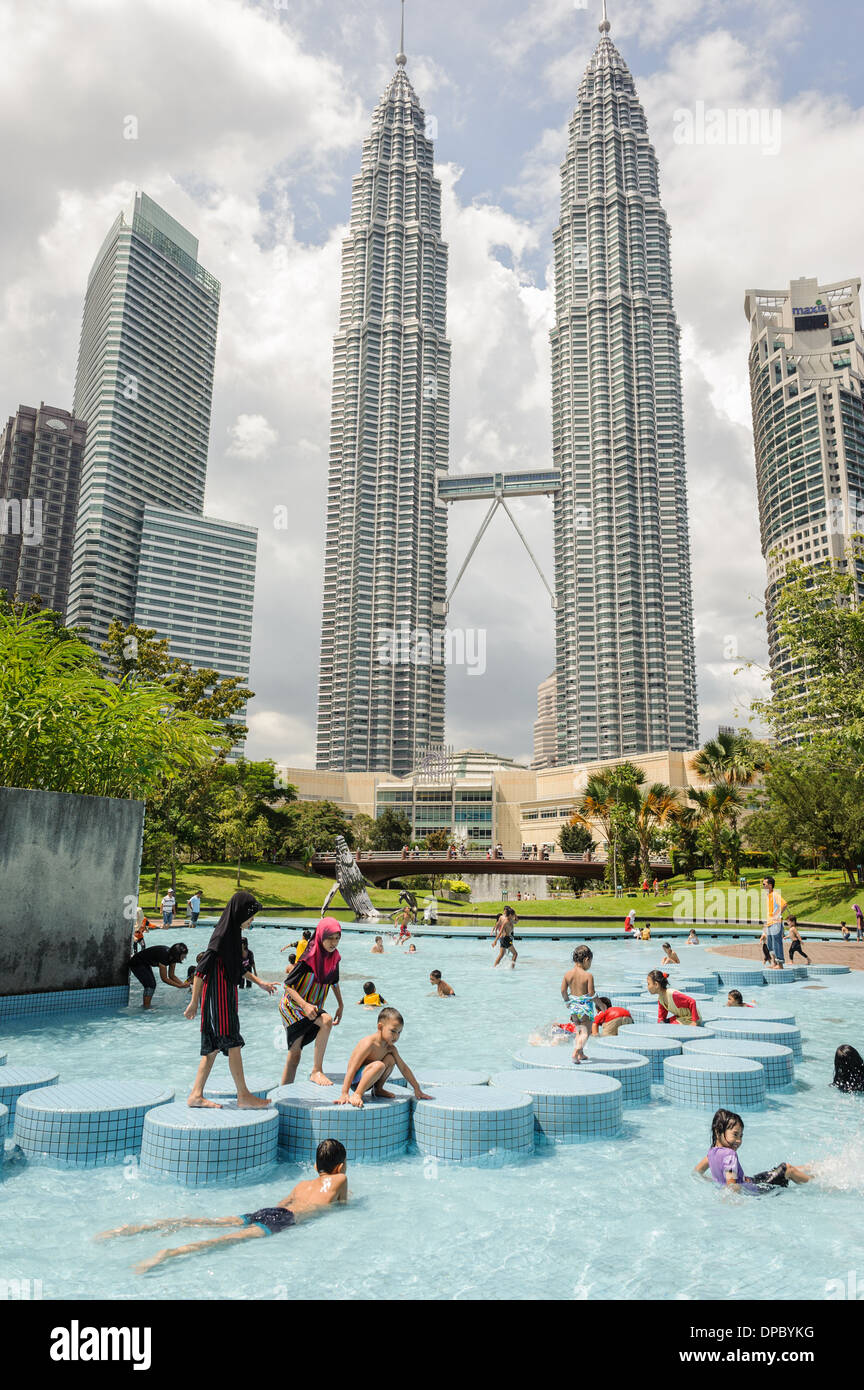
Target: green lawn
816, 897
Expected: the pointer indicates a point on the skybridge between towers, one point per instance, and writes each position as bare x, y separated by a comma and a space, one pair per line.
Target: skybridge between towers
497, 488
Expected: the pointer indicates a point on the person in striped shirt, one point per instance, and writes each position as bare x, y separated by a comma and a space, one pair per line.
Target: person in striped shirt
302, 1003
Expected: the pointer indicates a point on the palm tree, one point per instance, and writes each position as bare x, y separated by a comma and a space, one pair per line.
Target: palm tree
733, 759
651, 811
596, 806
684, 827
715, 805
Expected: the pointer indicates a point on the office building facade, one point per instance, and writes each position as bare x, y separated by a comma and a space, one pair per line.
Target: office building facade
41, 454
624, 621
196, 586
381, 688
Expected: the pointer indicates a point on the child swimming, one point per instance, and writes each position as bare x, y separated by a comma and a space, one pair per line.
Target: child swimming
304, 1200
721, 1161
735, 1000
378, 948
848, 1069
692, 939
371, 998
445, 991
372, 1061
670, 957
577, 991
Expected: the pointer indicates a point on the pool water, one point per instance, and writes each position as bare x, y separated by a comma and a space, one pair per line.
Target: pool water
622, 1218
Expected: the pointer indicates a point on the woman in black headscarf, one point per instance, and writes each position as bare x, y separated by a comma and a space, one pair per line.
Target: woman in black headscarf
219, 972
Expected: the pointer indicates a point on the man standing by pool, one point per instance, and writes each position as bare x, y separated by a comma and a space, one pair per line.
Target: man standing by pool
775, 907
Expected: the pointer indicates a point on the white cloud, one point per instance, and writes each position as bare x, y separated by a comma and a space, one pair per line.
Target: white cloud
251, 437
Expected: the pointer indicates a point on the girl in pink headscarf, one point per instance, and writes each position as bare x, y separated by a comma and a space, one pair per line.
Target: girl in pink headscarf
302, 1003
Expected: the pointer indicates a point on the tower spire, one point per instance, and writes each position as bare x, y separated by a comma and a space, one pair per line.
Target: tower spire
604, 26
400, 56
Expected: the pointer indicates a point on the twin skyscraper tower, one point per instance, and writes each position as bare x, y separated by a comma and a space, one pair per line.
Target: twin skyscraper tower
623, 605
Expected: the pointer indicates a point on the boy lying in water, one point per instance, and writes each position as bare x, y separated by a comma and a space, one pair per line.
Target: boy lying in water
304, 1200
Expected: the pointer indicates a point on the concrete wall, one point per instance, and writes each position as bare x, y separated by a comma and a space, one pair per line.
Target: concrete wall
68, 872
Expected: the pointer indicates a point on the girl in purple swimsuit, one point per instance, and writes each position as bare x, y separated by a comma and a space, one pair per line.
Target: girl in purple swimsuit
727, 1132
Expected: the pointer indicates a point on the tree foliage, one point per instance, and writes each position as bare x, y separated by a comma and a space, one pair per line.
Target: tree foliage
64, 726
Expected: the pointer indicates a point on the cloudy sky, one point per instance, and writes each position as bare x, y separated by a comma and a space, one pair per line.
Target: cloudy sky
249, 120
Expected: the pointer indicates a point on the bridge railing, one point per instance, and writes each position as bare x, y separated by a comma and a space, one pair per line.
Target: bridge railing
396, 856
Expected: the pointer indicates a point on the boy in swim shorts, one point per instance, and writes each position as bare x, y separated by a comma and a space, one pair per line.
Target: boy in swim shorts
372, 1061
445, 991
577, 991
304, 1200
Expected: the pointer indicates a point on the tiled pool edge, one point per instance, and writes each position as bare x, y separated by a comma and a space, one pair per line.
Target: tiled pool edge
19, 1006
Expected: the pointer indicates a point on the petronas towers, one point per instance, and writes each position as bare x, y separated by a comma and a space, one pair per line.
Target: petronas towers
385, 565
624, 620
624, 625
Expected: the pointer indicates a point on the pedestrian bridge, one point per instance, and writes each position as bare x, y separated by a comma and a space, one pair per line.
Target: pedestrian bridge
377, 866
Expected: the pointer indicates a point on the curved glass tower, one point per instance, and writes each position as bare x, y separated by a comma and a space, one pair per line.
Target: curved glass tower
381, 697
624, 625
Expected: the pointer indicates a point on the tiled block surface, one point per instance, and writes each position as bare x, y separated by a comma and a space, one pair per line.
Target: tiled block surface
201, 1147
569, 1107
2, 1059
778, 1061
463, 1123
730, 978
735, 1083
655, 1049
672, 1032
225, 1090
634, 1074
457, 1076
758, 1030
827, 969
780, 977
307, 1114
14, 1081
86, 1124
62, 1001
4, 1129
757, 1014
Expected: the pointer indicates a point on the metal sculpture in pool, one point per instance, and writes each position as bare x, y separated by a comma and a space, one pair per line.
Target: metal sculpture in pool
351, 884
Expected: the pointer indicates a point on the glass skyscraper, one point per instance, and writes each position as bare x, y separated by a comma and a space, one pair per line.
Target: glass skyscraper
385, 558
144, 386
624, 623
807, 390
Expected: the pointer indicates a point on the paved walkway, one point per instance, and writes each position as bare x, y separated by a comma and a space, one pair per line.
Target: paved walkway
849, 953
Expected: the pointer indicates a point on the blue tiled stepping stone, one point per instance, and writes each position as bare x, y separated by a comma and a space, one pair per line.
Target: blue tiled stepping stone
86, 1124
733, 1083
569, 1107
201, 1147
307, 1114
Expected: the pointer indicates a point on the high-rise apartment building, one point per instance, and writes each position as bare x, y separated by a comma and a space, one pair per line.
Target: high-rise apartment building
806, 380
624, 623
546, 725
385, 558
41, 452
144, 386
